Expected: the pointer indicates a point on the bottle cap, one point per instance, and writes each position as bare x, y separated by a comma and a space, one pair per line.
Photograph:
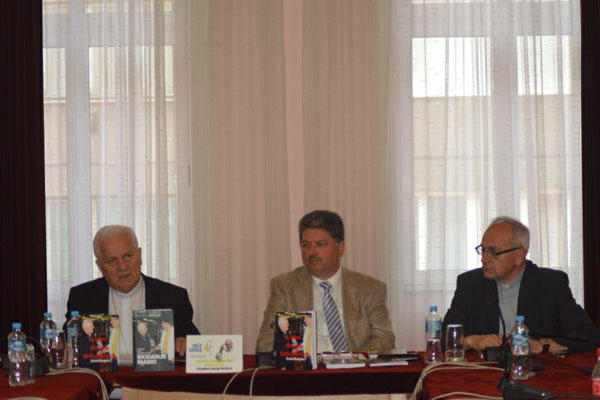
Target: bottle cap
520, 318
16, 325
432, 308
74, 314
47, 315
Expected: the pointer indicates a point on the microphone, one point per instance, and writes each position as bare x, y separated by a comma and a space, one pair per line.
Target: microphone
504, 357
516, 390
505, 377
512, 390
498, 353
585, 370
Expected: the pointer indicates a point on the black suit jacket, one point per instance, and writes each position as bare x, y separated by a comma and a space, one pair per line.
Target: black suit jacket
143, 344
92, 298
280, 345
545, 300
85, 348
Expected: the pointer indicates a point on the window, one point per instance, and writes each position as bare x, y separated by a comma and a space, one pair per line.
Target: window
110, 94
495, 107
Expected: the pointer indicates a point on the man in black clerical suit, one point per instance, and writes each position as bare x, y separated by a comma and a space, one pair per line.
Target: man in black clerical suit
88, 345
119, 258
283, 344
143, 342
507, 284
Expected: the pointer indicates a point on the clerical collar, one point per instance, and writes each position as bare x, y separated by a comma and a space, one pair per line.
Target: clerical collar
515, 282
131, 294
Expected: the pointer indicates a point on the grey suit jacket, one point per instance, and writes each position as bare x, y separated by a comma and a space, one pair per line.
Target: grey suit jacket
366, 317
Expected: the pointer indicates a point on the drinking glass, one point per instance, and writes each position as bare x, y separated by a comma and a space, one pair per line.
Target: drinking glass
455, 349
58, 351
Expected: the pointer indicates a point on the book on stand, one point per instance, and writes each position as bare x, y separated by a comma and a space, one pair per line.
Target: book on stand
153, 340
295, 340
98, 347
212, 354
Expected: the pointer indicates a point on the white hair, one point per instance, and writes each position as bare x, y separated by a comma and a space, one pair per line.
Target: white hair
281, 321
88, 323
139, 326
110, 231
520, 233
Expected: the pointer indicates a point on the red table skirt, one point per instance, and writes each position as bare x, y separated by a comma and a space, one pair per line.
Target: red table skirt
401, 379
557, 379
70, 386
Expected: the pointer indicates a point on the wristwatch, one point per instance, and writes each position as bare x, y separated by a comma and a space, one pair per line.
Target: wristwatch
545, 345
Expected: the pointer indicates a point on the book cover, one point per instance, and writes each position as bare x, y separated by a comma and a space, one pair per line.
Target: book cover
96, 342
153, 340
295, 340
213, 354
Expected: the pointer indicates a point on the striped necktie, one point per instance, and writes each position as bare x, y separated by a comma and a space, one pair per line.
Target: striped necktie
334, 325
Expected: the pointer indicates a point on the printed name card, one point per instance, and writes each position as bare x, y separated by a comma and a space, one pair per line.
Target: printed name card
213, 354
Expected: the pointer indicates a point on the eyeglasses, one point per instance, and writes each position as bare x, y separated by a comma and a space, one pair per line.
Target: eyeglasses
491, 253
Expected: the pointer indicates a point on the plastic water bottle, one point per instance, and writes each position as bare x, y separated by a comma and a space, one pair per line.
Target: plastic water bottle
596, 375
17, 355
433, 336
47, 332
521, 365
73, 330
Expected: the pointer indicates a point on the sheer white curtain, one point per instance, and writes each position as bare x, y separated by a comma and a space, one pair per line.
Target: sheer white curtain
239, 168
342, 145
116, 136
212, 126
149, 103
484, 120
423, 120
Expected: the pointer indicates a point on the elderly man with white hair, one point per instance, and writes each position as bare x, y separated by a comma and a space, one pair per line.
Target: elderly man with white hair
123, 289
507, 285
88, 344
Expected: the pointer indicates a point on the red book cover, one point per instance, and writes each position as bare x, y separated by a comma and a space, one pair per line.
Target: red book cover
295, 340
94, 343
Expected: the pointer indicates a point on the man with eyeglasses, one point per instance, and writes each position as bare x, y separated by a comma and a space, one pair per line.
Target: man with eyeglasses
507, 285
123, 288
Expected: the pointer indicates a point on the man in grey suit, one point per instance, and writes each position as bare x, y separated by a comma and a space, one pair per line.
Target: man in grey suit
351, 308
